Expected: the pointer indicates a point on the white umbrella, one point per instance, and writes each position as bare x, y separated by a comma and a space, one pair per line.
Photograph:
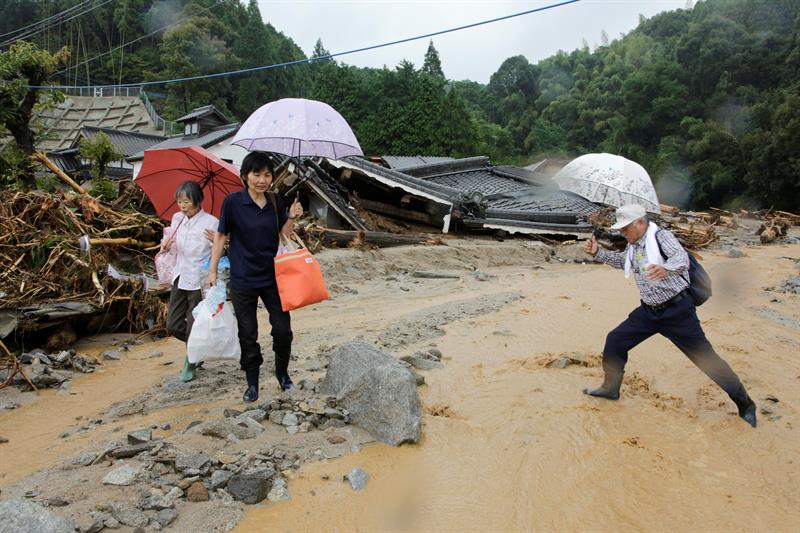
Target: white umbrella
609, 179
298, 128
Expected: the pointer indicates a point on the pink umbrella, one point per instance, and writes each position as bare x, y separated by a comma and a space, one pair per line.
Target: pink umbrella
298, 128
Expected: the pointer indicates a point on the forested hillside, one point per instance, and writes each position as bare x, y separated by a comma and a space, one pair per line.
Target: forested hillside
707, 98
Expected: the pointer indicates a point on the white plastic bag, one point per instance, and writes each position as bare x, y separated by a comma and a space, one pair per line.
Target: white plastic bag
214, 332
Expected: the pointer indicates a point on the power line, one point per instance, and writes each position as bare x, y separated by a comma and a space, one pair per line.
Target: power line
219, 3
80, 5
313, 59
40, 30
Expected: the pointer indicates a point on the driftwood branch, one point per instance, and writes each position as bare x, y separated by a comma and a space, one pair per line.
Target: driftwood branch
42, 158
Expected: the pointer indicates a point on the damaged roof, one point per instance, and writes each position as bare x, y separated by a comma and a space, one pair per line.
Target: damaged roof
484, 196
401, 162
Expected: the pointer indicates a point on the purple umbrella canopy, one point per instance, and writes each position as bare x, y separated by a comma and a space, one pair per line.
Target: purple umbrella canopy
298, 128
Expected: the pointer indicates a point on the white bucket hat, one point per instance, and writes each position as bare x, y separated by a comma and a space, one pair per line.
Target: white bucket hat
628, 213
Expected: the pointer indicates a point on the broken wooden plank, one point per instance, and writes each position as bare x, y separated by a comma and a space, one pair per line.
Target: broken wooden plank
377, 238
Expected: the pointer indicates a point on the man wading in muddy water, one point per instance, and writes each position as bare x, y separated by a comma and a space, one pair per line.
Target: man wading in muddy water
666, 307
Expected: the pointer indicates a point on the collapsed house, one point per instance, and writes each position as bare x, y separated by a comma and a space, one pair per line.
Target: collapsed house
451, 195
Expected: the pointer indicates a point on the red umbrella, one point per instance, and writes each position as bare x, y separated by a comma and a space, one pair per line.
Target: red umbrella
163, 170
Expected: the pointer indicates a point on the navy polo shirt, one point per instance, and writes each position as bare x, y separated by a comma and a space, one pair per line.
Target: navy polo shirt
253, 239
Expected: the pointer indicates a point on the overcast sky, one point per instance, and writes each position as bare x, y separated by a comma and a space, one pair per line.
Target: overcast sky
472, 54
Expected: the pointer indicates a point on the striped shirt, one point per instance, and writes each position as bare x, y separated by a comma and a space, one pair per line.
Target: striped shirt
676, 263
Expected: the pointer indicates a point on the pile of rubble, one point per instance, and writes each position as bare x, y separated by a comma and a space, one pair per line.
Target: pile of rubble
64, 257
39, 370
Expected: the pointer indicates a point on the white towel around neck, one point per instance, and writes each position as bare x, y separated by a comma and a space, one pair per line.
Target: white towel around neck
651, 247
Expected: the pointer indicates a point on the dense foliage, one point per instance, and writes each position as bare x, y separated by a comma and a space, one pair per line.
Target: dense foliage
706, 98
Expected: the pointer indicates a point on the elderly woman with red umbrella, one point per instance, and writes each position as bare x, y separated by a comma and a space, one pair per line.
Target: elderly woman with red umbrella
252, 219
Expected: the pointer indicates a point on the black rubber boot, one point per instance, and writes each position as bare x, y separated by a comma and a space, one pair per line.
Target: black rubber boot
282, 371
251, 394
610, 387
747, 411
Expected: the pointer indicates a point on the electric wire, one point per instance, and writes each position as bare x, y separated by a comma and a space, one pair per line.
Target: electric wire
40, 30
311, 59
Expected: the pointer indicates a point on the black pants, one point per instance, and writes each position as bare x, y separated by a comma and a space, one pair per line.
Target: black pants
179, 311
245, 303
678, 322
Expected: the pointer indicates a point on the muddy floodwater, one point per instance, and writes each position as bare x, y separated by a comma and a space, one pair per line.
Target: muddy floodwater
509, 441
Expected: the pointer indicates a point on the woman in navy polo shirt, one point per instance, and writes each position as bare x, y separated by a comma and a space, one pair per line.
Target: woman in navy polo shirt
252, 219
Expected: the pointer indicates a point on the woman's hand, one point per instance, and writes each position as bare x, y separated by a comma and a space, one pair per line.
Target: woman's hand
296, 209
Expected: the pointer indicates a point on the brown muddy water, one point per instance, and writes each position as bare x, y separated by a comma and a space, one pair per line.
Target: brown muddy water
510, 444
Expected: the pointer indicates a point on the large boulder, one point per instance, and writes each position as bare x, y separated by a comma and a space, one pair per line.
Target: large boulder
24, 515
379, 392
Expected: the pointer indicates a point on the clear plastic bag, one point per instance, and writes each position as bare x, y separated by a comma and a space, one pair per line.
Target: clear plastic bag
214, 332
166, 259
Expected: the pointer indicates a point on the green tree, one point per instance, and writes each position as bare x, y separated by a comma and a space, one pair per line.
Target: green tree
100, 151
432, 66
22, 66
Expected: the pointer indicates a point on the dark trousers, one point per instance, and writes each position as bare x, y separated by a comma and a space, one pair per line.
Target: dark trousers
179, 311
678, 322
245, 303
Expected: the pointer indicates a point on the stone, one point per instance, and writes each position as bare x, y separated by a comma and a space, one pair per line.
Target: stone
156, 503
313, 405
24, 515
122, 476
166, 516
111, 355
251, 424
226, 426
771, 398
231, 413
173, 495
123, 452
197, 492
56, 502
250, 487
154, 354
561, 362
435, 353
128, 515
185, 483
336, 439
279, 491
358, 479
166, 427
82, 460
305, 427
3, 440
276, 417
292, 430
255, 414
421, 363
733, 253
380, 394
219, 479
112, 523
95, 527
141, 436
290, 420
185, 461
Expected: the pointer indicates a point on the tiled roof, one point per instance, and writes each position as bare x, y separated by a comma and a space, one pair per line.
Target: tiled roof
62, 123
400, 162
201, 112
205, 140
128, 142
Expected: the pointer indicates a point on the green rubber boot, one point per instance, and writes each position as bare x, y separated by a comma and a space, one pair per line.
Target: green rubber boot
187, 374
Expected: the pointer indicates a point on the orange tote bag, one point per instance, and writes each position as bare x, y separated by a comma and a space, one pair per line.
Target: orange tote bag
299, 277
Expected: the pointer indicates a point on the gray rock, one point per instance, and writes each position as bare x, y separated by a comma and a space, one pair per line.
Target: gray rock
219, 479
141, 436
276, 417
166, 517
129, 451
421, 363
122, 476
279, 491
433, 275
112, 355
252, 486
380, 394
561, 362
157, 503
251, 424
733, 253
111, 523
186, 461
24, 515
290, 420
95, 527
231, 413
128, 515
256, 414
226, 426
358, 479
82, 460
